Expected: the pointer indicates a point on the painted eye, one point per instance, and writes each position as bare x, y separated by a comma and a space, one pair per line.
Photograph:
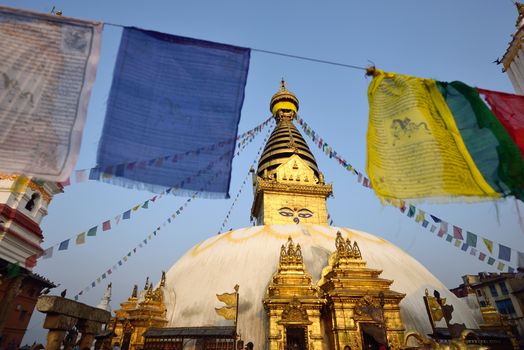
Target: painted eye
285, 212
304, 213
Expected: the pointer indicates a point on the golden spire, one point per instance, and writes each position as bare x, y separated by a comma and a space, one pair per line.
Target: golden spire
285, 140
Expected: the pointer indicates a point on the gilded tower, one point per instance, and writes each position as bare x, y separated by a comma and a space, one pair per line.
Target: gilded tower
288, 187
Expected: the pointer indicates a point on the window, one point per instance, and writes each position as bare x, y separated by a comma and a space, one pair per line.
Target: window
31, 203
505, 307
22, 315
503, 288
493, 290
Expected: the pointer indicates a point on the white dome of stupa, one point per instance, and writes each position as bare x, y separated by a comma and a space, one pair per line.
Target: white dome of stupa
249, 257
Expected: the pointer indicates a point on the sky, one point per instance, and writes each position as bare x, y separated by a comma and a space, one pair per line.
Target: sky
445, 40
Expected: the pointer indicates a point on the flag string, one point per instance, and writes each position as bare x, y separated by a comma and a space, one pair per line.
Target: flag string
97, 173
253, 163
477, 246
133, 251
277, 53
140, 245
108, 224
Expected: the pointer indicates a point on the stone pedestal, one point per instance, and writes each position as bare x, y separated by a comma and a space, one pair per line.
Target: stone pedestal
64, 314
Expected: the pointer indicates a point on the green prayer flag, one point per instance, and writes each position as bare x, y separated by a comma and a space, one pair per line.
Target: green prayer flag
491, 261
471, 239
411, 211
92, 231
449, 238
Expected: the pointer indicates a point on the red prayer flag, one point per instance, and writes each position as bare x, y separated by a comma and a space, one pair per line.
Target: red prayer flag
106, 225
457, 232
509, 109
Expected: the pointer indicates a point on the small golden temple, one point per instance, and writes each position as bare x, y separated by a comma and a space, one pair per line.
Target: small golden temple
300, 283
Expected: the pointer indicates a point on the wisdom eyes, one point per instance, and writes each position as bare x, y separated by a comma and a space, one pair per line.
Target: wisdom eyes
301, 213
285, 212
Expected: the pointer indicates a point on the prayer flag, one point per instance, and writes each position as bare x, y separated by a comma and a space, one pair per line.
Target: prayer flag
433, 228
504, 252
48, 253
411, 211
145, 205
126, 215
491, 261
443, 228
47, 68
449, 238
457, 232
420, 216
425, 223
93, 284
471, 239
106, 225
443, 129
435, 219
489, 244
464, 247
80, 238
500, 266
482, 256
81, 176
198, 90
104, 276
64, 245
511, 269
118, 218
458, 243
473, 251
92, 231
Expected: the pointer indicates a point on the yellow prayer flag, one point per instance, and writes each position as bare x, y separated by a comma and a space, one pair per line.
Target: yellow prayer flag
228, 312
81, 238
489, 244
230, 299
20, 184
414, 148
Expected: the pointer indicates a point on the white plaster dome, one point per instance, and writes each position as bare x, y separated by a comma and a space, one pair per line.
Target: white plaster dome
249, 257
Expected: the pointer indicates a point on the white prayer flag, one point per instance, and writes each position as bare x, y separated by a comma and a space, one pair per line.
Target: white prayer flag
47, 69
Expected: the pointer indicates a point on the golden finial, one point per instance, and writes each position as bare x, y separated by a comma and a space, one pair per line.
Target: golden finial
147, 283
283, 85
163, 279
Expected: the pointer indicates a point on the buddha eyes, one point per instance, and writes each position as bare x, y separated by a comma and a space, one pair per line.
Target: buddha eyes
302, 213
285, 212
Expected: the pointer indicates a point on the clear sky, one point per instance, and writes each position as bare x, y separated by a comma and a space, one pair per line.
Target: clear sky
446, 40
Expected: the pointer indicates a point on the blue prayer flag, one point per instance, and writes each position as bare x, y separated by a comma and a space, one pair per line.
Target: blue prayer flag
504, 252
172, 96
126, 215
64, 245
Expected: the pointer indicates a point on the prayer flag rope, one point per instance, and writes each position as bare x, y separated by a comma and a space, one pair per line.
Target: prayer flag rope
133, 251
141, 244
106, 225
466, 241
97, 173
226, 219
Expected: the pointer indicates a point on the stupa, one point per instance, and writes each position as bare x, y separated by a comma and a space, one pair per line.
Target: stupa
302, 283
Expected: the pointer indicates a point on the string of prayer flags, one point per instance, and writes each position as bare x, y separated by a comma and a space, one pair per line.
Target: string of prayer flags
107, 173
195, 100
126, 257
253, 163
472, 239
42, 121
457, 144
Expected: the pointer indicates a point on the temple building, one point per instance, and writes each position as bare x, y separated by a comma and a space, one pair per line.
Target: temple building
513, 59
23, 205
302, 284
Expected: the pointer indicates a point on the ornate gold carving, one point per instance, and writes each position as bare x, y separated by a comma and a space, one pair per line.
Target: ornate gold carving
290, 254
46, 196
345, 249
294, 313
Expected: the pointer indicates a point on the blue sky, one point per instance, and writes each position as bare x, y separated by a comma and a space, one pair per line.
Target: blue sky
446, 40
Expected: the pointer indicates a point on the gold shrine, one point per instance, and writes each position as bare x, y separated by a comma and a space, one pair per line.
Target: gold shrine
138, 314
